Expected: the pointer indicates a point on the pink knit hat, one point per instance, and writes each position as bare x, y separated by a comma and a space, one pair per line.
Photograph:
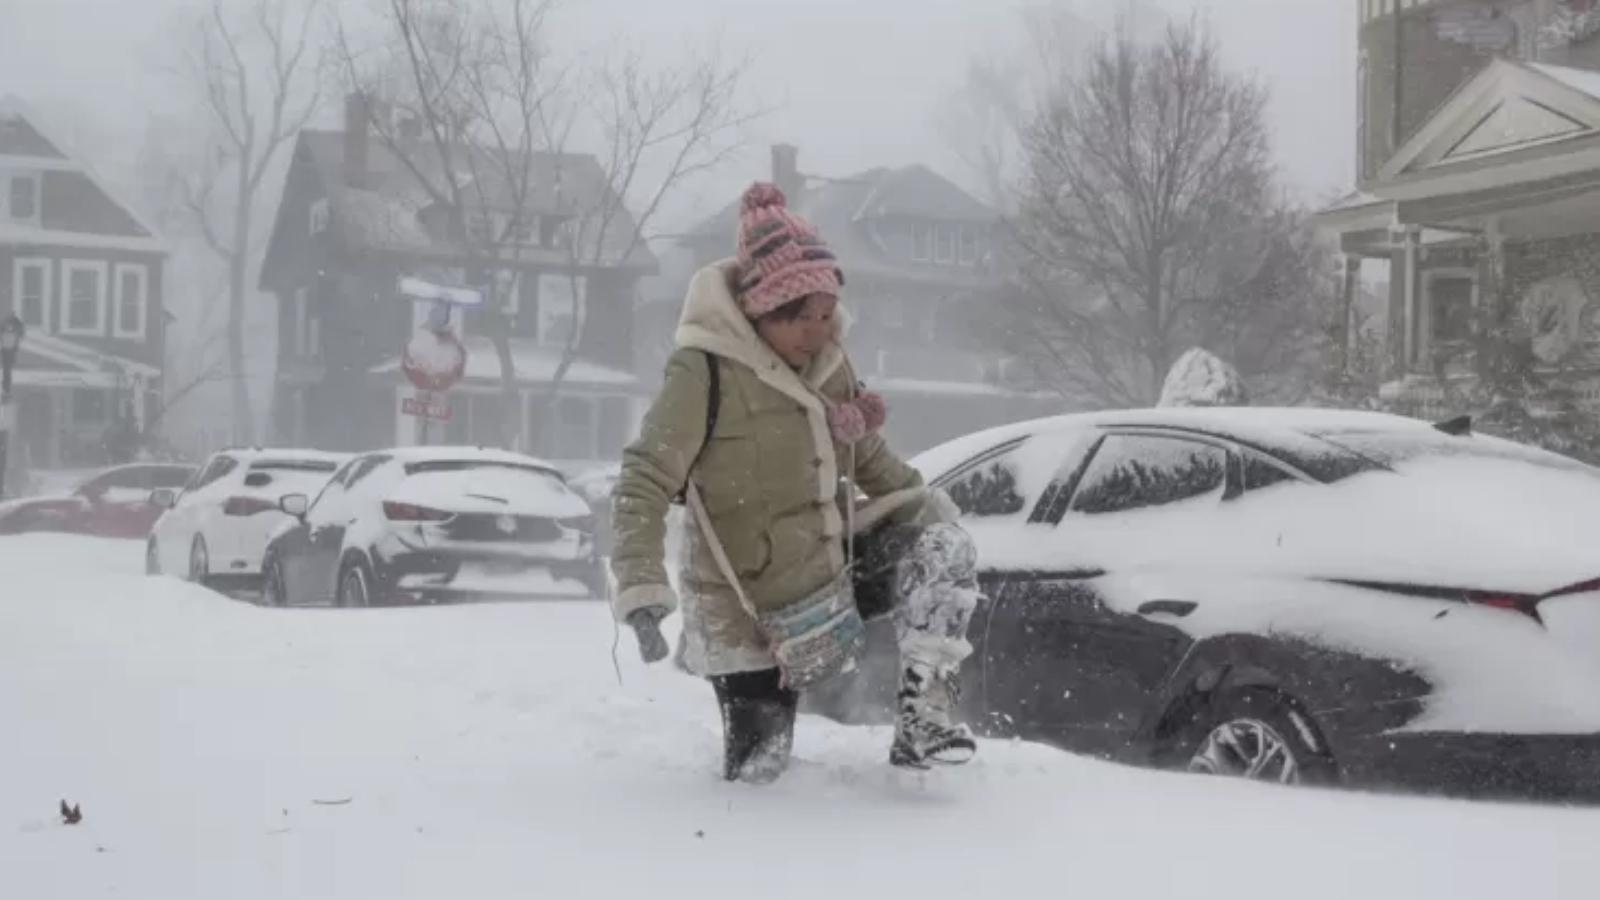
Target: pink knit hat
781, 256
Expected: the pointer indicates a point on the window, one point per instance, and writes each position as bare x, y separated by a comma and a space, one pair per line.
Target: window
559, 296
22, 198
1260, 473
30, 288
90, 407
132, 303
1450, 307
480, 228
1137, 472
944, 250
989, 488
508, 290
574, 428
84, 309
550, 227
319, 216
969, 246
521, 227
921, 242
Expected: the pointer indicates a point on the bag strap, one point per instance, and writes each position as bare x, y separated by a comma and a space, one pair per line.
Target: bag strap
718, 552
713, 410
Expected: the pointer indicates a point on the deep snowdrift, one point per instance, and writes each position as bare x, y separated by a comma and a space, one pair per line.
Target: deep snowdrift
221, 750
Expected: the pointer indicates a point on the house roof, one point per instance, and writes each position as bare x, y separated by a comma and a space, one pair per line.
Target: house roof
30, 142
846, 209
1518, 140
383, 211
1510, 108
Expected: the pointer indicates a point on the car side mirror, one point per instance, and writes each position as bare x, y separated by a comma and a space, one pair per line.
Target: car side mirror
164, 498
295, 505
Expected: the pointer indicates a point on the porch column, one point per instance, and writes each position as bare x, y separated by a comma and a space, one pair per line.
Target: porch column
1350, 278
1411, 345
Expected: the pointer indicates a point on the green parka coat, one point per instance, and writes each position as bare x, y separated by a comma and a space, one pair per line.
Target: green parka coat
770, 478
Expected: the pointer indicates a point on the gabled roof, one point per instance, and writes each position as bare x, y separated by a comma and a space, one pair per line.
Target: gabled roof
844, 210
26, 138
383, 211
1508, 107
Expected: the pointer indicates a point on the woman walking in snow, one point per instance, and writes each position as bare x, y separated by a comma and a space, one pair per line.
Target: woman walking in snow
762, 424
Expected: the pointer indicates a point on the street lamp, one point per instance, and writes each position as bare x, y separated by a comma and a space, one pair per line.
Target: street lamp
12, 332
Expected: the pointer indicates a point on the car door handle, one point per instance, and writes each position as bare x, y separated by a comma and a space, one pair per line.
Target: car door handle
1179, 608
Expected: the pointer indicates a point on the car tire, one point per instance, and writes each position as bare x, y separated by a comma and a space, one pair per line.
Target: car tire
274, 591
354, 590
152, 557
199, 561
1258, 734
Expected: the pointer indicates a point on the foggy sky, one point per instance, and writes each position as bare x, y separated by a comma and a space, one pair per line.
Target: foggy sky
847, 96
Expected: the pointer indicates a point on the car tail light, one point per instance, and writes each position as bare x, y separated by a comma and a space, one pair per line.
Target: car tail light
1521, 603
410, 512
247, 506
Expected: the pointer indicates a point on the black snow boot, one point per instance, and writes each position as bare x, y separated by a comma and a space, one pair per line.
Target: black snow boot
923, 731
757, 725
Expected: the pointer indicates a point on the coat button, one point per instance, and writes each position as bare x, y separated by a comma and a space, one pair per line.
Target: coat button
816, 463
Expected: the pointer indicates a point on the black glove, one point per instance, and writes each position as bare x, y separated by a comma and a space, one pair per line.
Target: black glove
646, 625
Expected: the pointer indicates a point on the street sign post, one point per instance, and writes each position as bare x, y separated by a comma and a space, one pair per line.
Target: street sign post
426, 406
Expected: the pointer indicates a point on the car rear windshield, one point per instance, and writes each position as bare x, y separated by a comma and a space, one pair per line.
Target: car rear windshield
467, 465
293, 465
1394, 448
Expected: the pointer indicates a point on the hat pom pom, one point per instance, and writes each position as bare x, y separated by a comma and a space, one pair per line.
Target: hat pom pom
761, 195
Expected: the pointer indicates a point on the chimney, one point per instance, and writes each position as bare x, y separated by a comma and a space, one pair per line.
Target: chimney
357, 116
786, 170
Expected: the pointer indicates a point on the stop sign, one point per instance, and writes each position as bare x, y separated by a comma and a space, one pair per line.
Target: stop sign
434, 360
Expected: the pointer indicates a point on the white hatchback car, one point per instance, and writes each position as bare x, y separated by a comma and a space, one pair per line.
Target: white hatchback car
215, 531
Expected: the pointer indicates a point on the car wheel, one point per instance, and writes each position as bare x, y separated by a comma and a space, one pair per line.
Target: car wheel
355, 586
1259, 735
152, 558
273, 590
199, 561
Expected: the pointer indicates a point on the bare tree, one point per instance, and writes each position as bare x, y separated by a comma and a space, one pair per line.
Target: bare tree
1151, 222
257, 76
983, 120
484, 118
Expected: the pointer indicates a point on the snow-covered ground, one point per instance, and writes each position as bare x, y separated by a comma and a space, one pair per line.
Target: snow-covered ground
222, 750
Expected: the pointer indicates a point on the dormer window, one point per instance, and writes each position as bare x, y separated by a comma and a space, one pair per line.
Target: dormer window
20, 198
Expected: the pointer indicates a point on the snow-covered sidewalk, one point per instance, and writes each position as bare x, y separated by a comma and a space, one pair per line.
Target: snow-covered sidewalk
220, 750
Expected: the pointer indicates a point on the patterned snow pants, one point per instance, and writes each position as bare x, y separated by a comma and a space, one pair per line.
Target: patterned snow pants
926, 578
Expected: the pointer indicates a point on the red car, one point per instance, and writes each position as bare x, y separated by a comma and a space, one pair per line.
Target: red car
114, 503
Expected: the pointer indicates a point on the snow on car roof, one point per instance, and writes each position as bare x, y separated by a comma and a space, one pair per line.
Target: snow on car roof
1263, 425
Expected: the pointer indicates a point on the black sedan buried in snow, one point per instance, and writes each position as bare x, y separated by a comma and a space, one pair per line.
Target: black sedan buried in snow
424, 525
1285, 595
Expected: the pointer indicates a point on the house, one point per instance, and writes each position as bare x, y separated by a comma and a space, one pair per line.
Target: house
918, 256
355, 220
1478, 137
83, 272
